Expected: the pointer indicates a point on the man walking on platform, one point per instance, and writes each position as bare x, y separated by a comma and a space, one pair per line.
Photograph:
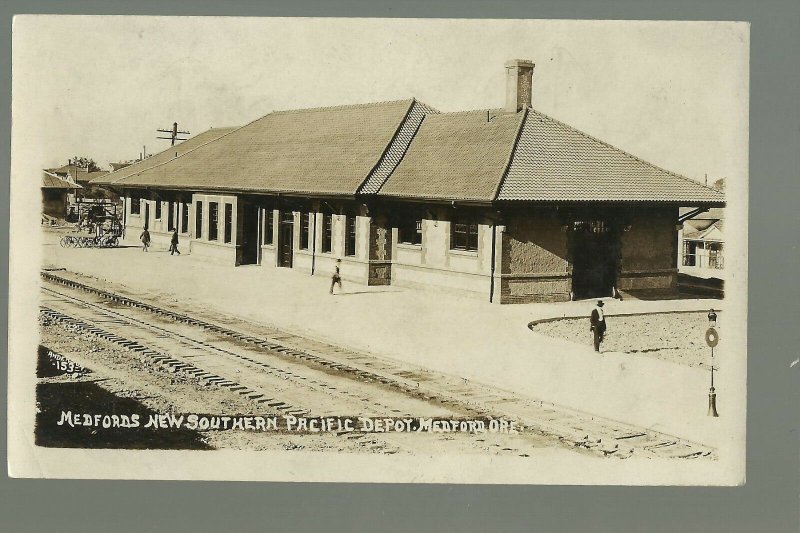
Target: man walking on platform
145, 238
598, 325
173, 247
336, 278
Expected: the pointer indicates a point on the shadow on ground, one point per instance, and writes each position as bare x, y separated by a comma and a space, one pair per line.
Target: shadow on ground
86, 397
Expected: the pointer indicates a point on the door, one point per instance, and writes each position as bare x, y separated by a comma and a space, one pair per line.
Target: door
248, 247
595, 253
147, 215
286, 240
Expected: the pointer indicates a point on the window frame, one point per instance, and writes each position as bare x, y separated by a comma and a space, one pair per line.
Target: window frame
327, 233
213, 221
350, 235
198, 219
227, 235
305, 231
183, 225
416, 234
269, 226
136, 201
466, 239
157, 210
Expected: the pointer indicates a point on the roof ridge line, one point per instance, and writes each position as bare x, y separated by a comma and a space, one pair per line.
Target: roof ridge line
510, 158
341, 106
468, 111
604, 143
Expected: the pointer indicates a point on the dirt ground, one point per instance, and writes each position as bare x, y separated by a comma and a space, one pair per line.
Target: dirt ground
113, 380
127, 384
677, 338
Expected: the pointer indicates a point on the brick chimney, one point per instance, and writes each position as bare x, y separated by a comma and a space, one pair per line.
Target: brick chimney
519, 74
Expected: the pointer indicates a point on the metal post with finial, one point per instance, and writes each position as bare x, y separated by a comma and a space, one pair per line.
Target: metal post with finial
712, 338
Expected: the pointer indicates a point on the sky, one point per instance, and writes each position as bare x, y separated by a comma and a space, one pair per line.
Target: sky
672, 93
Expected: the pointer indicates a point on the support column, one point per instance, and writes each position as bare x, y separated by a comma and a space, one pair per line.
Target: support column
380, 251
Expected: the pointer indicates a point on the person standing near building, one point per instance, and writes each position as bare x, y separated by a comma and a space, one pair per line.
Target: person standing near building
145, 238
598, 325
173, 246
336, 278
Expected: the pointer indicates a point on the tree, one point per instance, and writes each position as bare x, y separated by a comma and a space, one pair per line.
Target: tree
85, 162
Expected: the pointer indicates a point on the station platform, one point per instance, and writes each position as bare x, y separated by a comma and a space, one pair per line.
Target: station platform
461, 336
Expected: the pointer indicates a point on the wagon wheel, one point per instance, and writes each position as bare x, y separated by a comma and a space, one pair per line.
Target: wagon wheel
64, 241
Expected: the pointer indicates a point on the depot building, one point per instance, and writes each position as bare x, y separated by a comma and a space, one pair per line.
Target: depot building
507, 204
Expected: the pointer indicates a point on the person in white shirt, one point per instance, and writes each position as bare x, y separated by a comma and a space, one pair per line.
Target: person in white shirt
336, 278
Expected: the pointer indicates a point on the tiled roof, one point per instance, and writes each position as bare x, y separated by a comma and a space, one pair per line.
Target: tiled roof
51, 181
456, 156
405, 149
326, 151
555, 162
122, 174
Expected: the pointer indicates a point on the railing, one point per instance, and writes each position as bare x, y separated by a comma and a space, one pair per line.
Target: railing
714, 261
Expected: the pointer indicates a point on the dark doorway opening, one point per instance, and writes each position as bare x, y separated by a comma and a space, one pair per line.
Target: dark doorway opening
247, 245
147, 215
595, 257
286, 239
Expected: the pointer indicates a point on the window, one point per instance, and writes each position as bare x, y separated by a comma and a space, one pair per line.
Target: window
269, 215
171, 216
464, 235
185, 217
327, 233
136, 205
228, 222
158, 209
410, 232
198, 220
715, 257
350, 237
305, 233
213, 221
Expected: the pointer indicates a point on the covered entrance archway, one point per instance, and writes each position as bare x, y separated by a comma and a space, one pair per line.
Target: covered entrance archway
595, 249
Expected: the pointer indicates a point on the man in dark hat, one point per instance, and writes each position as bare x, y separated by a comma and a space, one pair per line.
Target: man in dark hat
598, 325
145, 238
173, 246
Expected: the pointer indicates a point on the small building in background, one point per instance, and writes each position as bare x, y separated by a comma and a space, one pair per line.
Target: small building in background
55, 192
79, 175
702, 243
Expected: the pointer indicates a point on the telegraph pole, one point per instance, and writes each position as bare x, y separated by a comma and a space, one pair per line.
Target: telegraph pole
173, 134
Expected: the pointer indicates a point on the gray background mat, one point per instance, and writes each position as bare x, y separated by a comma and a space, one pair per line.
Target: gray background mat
769, 501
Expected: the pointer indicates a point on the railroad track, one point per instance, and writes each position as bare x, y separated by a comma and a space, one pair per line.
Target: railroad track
259, 364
